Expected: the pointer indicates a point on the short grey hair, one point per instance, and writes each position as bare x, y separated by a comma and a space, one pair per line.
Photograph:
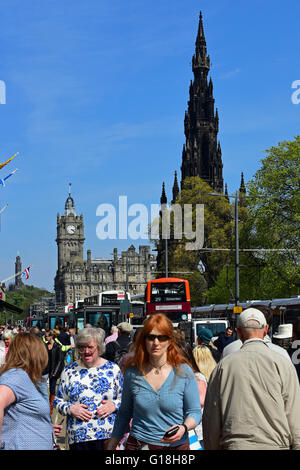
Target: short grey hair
86, 335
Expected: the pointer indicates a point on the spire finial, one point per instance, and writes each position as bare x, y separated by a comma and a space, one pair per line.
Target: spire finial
200, 58
200, 35
70, 206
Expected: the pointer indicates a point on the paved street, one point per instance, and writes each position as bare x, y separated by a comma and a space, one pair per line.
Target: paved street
59, 419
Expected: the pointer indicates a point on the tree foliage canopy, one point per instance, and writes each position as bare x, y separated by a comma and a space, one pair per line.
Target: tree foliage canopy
269, 225
26, 296
271, 222
200, 267
274, 211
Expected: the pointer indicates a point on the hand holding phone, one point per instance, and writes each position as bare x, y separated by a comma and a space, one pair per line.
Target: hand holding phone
171, 432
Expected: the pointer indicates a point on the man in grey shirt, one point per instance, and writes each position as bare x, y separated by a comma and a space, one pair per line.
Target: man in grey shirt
236, 345
253, 396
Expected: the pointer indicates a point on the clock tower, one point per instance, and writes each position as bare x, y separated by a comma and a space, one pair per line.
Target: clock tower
70, 244
77, 278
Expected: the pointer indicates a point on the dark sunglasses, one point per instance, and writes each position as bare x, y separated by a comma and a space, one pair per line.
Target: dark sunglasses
161, 338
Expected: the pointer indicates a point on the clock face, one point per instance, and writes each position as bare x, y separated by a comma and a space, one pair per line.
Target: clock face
71, 229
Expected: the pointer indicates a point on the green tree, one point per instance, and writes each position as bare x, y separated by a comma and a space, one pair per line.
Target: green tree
26, 296
200, 267
272, 222
274, 213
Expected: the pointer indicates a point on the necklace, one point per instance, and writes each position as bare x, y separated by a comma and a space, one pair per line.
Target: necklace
157, 369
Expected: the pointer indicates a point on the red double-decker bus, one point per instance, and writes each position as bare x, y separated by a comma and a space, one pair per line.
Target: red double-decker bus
171, 296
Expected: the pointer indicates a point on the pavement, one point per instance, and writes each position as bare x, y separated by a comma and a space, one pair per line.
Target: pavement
62, 440
57, 418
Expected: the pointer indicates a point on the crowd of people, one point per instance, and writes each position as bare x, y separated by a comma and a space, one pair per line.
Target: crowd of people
151, 389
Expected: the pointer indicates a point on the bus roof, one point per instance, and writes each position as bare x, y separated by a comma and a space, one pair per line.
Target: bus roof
168, 279
272, 303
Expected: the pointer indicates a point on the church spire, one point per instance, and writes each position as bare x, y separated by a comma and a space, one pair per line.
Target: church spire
242, 186
201, 59
226, 192
202, 155
200, 40
200, 35
175, 188
163, 199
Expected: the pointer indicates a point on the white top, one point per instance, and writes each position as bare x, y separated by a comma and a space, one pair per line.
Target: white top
89, 386
236, 345
2, 353
198, 428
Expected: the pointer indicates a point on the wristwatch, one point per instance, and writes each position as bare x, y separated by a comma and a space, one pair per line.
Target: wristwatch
185, 427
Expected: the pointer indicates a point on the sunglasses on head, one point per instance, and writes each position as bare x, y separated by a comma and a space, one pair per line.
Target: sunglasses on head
161, 338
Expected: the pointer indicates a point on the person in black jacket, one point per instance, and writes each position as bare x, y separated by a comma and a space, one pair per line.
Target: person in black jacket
63, 337
121, 344
56, 354
224, 339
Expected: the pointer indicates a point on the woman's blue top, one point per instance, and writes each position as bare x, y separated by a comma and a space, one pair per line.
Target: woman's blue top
27, 422
154, 412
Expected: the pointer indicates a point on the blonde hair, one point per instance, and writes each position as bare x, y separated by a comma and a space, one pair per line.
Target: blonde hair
8, 334
204, 360
26, 352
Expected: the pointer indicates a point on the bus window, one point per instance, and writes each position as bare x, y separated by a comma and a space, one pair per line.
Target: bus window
100, 320
170, 296
56, 321
168, 292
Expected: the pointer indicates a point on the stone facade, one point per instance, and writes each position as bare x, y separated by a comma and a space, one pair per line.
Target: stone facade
77, 278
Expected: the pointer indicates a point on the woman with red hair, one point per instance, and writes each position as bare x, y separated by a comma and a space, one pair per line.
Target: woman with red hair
160, 392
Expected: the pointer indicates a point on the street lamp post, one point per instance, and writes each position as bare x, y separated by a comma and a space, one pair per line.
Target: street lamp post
166, 257
237, 258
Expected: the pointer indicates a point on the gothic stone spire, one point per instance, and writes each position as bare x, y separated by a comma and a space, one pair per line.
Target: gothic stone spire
163, 199
242, 186
201, 155
175, 188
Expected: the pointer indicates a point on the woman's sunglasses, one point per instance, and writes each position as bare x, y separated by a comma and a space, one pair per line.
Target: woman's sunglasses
161, 338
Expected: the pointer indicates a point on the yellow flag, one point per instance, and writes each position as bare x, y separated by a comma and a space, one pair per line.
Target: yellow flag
9, 160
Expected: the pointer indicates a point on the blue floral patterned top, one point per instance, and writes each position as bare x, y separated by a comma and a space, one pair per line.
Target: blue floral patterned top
89, 386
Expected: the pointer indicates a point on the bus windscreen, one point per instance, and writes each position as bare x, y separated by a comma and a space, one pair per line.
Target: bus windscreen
162, 292
110, 299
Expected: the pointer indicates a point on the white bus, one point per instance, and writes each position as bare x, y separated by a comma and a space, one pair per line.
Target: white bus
107, 298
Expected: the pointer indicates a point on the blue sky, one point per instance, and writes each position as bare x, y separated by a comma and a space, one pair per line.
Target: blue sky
96, 93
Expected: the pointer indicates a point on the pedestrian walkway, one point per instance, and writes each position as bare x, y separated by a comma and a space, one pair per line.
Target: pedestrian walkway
62, 440
57, 418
